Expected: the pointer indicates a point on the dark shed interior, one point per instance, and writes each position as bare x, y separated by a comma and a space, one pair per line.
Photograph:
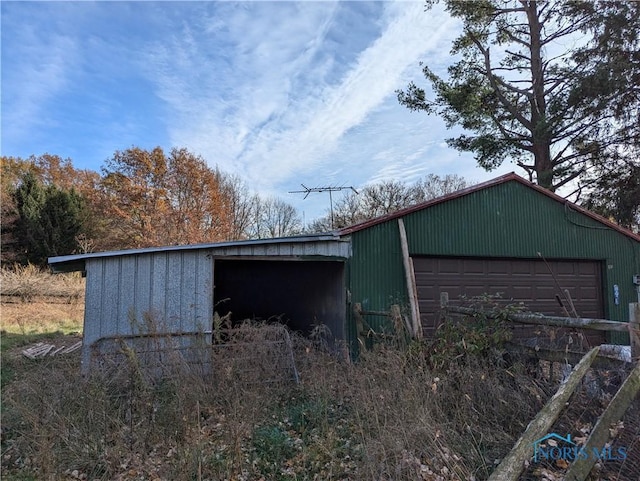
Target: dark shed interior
300, 294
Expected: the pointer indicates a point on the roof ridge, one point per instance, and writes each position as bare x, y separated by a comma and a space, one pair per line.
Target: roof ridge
511, 176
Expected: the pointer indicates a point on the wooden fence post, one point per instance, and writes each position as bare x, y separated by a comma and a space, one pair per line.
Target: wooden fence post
634, 330
581, 467
357, 314
396, 317
513, 463
444, 306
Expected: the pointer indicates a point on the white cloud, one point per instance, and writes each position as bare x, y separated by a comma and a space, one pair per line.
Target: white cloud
372, 79
272, 108
279, 93
41, 74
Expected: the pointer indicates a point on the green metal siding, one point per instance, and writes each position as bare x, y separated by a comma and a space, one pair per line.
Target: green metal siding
504, 220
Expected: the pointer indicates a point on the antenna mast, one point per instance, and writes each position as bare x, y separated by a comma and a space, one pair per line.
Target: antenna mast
330, 189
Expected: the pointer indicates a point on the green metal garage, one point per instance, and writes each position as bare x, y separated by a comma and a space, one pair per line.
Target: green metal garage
505, 236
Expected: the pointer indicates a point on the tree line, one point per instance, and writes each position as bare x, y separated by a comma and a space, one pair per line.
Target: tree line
144, 198
550, 86
141, 198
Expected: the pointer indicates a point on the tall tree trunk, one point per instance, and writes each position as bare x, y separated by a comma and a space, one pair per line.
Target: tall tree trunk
540, 130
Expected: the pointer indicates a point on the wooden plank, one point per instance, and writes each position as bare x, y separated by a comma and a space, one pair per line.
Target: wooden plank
513, 463
414, 288
412, 291
542, 320
581, 468
72, 348
375, 313
563, 356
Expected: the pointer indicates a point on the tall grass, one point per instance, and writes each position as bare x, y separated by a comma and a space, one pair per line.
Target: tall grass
35, 301
390, 416
442, 410
28, 282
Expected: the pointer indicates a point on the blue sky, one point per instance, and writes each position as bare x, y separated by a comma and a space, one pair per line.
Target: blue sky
280, 93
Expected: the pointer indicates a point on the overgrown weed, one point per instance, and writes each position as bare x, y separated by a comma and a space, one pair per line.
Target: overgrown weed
28, 282
36, 302
391, 415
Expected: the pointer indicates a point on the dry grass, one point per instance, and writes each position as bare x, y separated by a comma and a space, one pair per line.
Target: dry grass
30, 282
39, 317
33, 301
387, 417
431, 412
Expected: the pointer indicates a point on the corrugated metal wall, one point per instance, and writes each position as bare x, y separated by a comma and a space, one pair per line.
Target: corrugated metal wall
505, 220
173, 288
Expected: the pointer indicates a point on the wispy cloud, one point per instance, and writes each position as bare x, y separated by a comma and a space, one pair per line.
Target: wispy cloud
277, 92
272, 105
39, 71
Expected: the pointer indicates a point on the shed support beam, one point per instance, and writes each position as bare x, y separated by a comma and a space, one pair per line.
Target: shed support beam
411, 282
634, 330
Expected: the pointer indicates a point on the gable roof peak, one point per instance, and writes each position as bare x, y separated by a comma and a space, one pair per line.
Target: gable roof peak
503, 179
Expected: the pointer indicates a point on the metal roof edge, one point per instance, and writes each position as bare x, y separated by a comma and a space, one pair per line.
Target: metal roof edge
77, 259
512, 176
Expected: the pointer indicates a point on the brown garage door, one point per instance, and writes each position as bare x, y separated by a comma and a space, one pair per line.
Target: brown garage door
526, 280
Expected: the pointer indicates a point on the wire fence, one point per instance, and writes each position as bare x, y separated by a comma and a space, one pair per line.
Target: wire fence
247, 354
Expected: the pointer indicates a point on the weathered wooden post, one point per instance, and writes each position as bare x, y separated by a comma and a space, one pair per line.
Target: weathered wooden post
444, 306
357, 314
396, 317
410, 277
581, 467
513, 463
634, 330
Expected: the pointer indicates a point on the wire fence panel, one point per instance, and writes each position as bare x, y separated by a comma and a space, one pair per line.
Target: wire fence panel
248, 353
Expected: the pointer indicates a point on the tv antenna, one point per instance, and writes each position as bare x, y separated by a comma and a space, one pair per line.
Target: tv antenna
308, 190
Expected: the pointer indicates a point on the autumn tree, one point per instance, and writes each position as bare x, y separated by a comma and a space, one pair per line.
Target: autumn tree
134, 197
48, 171
157, 199
522, 90
198, 207
152, 198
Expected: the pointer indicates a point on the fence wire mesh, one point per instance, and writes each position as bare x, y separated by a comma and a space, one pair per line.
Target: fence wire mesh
247, 354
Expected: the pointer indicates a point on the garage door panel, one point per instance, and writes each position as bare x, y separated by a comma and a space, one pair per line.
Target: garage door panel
522, 292
474, 268
588, 269
519, 280
566, 269
498, 268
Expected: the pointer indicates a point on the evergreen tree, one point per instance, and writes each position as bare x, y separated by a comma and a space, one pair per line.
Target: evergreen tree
49, 221
551, 86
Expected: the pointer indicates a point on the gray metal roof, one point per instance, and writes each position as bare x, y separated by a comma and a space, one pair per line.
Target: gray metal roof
76, 262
